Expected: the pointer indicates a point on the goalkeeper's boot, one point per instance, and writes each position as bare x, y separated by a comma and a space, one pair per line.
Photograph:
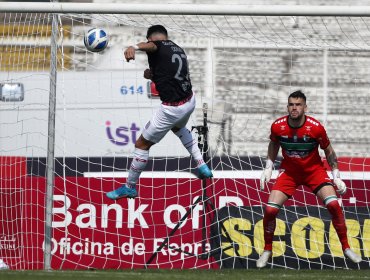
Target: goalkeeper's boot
204, 172
3, 265
122, 192
264, 258
352, 256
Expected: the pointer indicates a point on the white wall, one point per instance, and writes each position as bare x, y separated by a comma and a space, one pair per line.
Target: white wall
86, 103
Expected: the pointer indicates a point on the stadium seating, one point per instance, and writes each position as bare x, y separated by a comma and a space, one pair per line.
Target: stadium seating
253, 82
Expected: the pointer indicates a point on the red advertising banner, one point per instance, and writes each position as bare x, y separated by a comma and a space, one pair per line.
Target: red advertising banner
91, 231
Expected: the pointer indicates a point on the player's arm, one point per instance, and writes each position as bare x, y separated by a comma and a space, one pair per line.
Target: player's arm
332, 160
148, 47
331, 157
272, 152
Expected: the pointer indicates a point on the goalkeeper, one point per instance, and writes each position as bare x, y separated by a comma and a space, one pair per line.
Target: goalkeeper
169, 71
299, 136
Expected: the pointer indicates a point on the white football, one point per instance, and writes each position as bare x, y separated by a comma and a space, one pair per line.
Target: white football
96, 40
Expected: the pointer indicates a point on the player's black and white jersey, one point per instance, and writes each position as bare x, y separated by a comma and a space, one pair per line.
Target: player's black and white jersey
169, 66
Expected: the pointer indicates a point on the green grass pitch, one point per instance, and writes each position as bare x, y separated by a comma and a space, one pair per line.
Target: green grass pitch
200, 274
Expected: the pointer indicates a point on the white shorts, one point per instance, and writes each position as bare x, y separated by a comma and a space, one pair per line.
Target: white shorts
167, 117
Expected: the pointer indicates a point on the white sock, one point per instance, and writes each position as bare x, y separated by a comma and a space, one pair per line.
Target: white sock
137, 166
190, 144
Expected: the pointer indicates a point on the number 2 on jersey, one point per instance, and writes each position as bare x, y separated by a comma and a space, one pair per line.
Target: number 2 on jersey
177, 57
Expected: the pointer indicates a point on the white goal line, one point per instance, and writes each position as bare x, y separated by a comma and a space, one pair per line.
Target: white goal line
216, 175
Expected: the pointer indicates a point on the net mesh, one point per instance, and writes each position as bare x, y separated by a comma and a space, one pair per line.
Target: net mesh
243, 68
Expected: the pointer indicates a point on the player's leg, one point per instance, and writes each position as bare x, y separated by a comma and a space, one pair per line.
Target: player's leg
153, 132
190, 143
283, 188
139, 161
275, 202
138, 164
327, 194
187, 139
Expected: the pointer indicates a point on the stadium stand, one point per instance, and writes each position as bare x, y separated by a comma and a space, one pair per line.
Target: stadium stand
254, 82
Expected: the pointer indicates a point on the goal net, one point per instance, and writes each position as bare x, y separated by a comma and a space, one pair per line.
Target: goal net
243, 68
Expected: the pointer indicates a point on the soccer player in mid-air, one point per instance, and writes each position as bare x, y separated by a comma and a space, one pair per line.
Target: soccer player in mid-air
169, 71
299, 136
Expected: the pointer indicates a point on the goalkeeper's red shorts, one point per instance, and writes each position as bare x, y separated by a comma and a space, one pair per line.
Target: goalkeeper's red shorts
287, 182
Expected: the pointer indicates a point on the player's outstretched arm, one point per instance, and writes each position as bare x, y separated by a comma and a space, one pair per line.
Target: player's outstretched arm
272, 152
143, 46
332, 160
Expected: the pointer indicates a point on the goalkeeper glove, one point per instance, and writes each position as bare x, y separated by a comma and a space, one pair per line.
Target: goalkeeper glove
341, 186
266, 174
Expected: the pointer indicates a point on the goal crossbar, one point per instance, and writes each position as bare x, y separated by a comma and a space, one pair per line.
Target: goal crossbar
185, 9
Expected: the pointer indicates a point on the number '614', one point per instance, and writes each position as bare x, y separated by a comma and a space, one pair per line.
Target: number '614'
131, 90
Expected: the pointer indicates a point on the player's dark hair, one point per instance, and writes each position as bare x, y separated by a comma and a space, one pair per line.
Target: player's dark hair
298, 94
156, 29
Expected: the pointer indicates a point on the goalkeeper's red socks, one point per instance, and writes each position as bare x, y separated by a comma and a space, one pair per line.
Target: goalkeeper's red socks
269, 225
338, 222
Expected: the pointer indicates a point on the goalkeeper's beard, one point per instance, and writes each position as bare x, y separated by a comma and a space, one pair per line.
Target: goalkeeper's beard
294, 115
297, 118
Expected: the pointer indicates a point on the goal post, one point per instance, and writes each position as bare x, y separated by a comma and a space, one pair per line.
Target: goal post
244, 61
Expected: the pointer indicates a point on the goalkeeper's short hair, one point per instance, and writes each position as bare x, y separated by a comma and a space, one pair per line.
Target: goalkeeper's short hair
298, 94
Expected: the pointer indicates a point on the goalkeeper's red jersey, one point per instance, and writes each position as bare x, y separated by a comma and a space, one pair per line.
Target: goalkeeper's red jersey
300, 145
